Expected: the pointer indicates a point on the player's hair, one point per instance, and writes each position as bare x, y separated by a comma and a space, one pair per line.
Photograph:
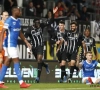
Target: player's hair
74, 22
15, 7
89, 52
87, 29
62, 22
3, 12
36, 19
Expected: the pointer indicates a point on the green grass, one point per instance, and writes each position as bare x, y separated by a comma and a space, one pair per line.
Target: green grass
52, 86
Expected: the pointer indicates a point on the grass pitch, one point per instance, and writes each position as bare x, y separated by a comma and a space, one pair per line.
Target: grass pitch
53, 86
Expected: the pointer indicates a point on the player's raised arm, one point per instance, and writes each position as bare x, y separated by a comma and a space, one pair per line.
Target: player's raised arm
24, 39
84, 47
78, 64
94, 49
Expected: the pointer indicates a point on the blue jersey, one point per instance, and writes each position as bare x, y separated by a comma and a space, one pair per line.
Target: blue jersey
88, 68
13, 27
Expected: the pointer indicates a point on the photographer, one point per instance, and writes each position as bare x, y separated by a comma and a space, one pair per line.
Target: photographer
35, 34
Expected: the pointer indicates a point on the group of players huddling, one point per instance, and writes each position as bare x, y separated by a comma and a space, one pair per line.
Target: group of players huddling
68, 43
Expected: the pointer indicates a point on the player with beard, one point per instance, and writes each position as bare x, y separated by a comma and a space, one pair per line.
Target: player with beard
73, 39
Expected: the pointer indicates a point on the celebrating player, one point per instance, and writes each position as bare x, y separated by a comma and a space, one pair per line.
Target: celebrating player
90, 43
35, 34
61, 54
88, 67
4, 16
73, 39
13, 27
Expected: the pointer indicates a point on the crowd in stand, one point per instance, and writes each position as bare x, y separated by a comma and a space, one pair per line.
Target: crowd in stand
73, 9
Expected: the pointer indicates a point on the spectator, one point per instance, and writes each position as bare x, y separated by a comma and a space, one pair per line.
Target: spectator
49, 14
73, 13
61, 14
60, 7
84, 15
83, 3
30, 10
39, 4
8, 4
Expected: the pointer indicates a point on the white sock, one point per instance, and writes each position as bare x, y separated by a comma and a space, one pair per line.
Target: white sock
21, 81
0, 82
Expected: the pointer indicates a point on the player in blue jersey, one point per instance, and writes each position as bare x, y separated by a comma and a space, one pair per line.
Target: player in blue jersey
88, 66
13, 27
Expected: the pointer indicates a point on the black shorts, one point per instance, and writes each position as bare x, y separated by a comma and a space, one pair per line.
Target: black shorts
71, 56
61, 56
37, 51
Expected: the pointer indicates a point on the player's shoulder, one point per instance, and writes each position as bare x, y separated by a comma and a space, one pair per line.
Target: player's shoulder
19, 19
94, 61
92, 38
1, 23
8, 19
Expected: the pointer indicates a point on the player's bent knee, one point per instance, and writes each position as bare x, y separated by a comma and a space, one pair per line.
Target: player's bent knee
63, 62
72, 62
97, 81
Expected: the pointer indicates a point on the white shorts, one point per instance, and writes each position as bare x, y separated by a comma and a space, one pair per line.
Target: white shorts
93, 79
11, 52
6, 51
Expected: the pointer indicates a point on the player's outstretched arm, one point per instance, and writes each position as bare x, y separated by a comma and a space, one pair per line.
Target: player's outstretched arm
84, 47
78, 64
24, 39
94, 49
1, 39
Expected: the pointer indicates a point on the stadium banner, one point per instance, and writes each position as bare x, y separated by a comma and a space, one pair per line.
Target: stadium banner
29, 73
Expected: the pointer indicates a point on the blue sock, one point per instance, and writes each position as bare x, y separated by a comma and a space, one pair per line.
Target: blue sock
17, 70
3, 72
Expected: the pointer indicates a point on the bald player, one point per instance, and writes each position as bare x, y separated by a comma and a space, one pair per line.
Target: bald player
13, 27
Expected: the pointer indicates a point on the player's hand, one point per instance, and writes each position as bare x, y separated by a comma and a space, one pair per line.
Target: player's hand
29, 51
65, 43
29, 45
55, 10
57, 50
58, 42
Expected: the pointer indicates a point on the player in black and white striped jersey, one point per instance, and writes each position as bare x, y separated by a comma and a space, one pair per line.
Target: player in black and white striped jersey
73, 39
90, 43
35, 34
61, 54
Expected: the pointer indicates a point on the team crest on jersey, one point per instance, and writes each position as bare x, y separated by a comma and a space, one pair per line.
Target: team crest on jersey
76, 36
14, 23
90, 41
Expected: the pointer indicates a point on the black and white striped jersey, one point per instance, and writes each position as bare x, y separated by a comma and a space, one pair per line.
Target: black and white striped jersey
90, 43
58, 35
74, 39
35, 35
